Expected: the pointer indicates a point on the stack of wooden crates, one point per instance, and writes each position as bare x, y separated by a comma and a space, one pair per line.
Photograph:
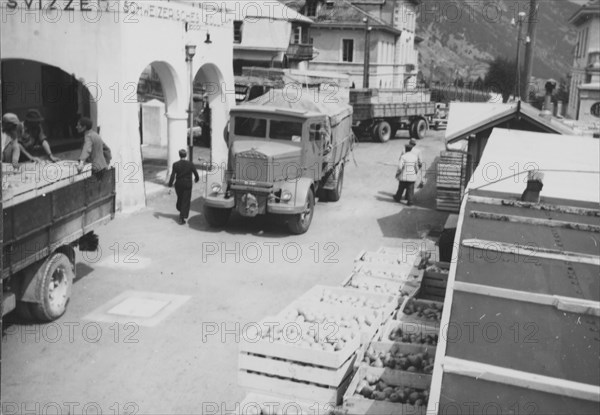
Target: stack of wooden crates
451, 180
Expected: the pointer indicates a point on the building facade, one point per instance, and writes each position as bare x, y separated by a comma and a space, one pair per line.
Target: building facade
342, 28
74, 59
584, 95
269, 34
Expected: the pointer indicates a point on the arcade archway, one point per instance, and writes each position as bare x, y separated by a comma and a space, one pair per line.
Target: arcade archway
60, 97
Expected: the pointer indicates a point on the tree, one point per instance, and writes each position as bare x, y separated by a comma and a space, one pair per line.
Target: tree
501, 77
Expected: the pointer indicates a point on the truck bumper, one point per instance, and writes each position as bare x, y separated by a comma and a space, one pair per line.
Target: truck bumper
219, 202
284, 208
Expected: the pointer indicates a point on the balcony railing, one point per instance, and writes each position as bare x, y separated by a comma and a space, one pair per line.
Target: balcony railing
300, 52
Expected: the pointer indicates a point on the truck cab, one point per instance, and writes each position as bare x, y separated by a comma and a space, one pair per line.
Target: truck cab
278, 160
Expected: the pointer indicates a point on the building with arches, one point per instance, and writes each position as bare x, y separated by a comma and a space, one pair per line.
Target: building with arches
84, 58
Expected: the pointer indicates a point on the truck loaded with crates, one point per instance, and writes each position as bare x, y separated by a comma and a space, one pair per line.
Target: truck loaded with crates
380, 113
282, 155
49, 210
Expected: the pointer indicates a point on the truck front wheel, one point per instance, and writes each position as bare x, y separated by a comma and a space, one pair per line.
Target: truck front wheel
53, 288
300, 223
216, 217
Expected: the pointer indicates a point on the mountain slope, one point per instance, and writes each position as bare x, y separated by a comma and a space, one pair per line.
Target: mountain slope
462, 36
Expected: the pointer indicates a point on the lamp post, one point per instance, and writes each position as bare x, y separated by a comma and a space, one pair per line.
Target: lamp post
190, 51
519, 22
367, 53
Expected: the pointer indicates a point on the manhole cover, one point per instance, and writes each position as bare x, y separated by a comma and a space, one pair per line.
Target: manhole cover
138, 307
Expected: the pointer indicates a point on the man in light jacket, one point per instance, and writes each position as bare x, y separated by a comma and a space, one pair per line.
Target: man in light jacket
407, 174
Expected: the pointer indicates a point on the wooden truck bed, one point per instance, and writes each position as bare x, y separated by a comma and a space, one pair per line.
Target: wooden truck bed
367, 111
49, 205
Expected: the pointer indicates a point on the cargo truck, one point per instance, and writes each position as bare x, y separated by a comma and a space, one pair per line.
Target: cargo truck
283, 153
380, 113
49, 210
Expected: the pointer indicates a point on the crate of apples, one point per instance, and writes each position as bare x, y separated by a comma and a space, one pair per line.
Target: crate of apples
365, 321
412, 358
375, 391
421, 310
414, 333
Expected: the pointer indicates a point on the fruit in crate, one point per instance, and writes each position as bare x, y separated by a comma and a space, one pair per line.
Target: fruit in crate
352, 300
396, 359
399, 335
425, 310
371, 387
324, 337
359, 320
435, 268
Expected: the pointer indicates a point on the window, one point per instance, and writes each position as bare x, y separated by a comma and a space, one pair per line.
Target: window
311, 8
296, 35
285, 130
237, 31
347, 50
251, 127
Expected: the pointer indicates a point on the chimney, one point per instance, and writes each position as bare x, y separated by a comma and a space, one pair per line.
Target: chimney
534, 187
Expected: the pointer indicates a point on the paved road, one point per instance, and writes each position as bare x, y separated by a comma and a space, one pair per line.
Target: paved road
243, 273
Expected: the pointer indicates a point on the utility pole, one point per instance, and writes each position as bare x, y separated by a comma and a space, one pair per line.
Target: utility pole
519, 22
367, 53
529, 48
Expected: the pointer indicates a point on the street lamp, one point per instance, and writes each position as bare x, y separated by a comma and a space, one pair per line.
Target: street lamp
190, 51
520, 19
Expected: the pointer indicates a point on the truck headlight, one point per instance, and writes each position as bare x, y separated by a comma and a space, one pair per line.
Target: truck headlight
215, 187
286, 196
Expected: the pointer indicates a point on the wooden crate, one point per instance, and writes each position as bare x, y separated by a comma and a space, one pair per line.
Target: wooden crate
360, 282
403, 272
412, 318
254, 403
264, 345
333, 317
354, 403
419, 329
433, 286
387, 346
386, 303
291, 389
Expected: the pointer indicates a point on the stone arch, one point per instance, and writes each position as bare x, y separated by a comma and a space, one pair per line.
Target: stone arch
59, 95
173, 119
211, 79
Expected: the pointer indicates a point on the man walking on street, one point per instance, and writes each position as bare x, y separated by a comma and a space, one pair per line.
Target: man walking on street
407, 174
181, 173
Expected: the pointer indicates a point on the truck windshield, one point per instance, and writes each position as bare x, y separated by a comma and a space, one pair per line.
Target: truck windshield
285, 130
251, 127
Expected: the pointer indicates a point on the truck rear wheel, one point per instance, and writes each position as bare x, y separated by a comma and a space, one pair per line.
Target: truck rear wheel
53, 288
216, 217
300, 223
335, 194
383, 131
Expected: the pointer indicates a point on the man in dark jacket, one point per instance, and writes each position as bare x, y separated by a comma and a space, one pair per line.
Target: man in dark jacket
181, 173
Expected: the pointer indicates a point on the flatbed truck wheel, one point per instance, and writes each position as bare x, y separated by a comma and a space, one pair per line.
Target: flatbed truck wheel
335, 194
53, 283
300, 223
216, 217
383, 131
420, 128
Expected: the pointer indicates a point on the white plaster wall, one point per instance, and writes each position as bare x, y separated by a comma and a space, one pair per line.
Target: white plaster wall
107, 50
